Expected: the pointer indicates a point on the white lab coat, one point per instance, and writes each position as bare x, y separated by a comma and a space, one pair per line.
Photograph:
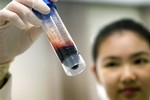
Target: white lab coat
5, 91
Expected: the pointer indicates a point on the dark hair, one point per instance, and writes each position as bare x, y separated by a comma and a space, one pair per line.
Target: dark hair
124, 24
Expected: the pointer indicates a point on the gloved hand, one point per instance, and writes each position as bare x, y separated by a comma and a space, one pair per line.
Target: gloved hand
19, 28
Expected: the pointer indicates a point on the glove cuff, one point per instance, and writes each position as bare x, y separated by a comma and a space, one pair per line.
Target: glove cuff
4, 67
5, 64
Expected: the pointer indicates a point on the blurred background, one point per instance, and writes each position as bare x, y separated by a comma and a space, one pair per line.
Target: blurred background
37, 73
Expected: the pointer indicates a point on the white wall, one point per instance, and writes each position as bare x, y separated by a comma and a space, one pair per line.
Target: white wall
38, 75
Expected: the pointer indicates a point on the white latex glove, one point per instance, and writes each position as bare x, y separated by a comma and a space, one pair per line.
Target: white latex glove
19, 28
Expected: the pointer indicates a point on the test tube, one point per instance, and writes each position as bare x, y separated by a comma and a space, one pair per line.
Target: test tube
61, 41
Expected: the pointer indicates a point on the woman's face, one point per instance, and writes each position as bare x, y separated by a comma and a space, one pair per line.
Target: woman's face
123, 66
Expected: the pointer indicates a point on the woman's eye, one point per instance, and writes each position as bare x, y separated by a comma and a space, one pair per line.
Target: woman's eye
141, 61
112, 64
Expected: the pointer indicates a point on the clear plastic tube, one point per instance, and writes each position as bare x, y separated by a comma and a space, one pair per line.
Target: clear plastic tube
63, 44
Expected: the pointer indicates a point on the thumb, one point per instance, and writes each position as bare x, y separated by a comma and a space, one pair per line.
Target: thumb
35, 32
28, 37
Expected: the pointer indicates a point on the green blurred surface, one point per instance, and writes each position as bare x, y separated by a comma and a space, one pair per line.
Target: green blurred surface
3, 3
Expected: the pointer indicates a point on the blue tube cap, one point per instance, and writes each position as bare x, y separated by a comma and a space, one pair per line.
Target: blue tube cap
45, 16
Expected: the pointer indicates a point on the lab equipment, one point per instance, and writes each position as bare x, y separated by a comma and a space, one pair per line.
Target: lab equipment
61, 41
